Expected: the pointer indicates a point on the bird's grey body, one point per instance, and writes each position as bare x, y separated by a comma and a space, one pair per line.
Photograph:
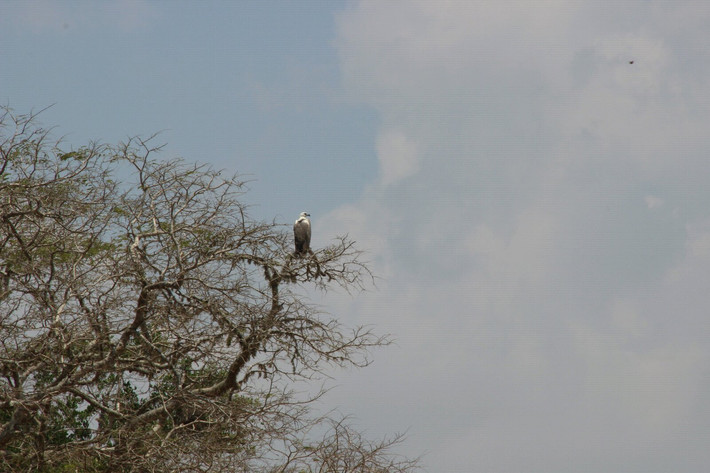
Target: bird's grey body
302, 234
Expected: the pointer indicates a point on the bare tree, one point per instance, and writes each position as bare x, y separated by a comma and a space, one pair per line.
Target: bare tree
148, 324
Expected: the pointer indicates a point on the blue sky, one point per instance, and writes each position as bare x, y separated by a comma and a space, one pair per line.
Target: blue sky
252, 87
536, 207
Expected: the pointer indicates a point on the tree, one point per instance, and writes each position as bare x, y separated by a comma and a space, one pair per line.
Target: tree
148, 324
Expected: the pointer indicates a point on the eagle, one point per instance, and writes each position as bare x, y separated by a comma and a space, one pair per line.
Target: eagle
302, 234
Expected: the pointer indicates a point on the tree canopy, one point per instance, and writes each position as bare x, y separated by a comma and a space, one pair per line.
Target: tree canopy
149, 324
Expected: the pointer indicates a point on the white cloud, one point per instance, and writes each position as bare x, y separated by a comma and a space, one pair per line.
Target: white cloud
699, 241
687, 280
397, 155
529, 285
652, 389
370, 225
653, 202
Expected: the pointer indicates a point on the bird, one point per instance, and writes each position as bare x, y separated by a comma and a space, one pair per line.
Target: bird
631, 62
302, 234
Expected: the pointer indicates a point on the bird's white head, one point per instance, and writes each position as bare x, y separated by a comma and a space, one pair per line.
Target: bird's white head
304, 214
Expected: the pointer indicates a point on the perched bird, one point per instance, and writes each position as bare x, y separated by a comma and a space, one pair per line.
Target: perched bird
302, 234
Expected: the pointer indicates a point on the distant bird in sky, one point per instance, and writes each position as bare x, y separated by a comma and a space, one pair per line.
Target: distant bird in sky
631, 62
302, 234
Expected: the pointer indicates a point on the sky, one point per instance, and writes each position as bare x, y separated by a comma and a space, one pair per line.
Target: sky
529, 180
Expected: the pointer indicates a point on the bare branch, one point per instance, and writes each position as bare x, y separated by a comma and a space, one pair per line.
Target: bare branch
152, 325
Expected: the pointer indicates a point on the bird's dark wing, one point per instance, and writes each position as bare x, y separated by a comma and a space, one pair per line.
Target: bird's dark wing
301, 236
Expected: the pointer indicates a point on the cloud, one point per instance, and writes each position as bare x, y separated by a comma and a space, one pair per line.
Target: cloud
397, 155
541, 207
653, 202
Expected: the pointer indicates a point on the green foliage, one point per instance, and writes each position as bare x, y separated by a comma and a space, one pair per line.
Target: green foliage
68, 420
